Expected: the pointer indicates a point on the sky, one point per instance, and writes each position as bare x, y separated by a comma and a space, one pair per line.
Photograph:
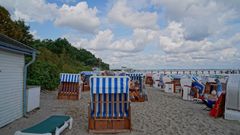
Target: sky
141, 34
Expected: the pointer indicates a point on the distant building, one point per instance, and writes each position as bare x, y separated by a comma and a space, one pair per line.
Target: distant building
13, 70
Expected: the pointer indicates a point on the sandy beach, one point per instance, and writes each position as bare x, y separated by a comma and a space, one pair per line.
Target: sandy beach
163, 113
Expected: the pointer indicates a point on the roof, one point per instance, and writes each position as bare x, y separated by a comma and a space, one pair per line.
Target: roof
10, 44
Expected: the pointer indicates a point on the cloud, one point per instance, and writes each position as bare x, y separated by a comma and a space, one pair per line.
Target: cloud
200, 18
172, 49
35, 34
101, 41
123, 14
31, 10
173, 42
79, 17
104, 40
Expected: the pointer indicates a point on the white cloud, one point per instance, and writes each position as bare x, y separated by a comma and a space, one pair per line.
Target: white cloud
174, 49
35, 34
101, 41
79, 17
31, 10
126, 15
173, 42
104, 40
200, 18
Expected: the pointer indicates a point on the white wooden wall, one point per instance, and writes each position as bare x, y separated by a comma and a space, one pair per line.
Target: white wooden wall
11, 87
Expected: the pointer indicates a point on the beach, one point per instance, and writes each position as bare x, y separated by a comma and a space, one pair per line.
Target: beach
163, 113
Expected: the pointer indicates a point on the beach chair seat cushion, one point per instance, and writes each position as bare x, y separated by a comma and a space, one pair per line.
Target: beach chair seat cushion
49, 125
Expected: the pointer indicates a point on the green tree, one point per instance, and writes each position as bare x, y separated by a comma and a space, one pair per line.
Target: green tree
14, 29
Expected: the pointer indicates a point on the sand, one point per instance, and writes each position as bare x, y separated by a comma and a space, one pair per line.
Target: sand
163, 114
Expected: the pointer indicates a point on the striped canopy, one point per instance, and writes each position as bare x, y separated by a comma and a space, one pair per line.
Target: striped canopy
135, 76
66, 77
109, 84
197, 84
87, 72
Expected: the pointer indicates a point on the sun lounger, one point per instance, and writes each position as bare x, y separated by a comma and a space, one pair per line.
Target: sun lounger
69, 87
52, 125
109, 109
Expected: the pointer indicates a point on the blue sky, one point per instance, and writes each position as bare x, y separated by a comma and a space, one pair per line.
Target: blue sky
141, 34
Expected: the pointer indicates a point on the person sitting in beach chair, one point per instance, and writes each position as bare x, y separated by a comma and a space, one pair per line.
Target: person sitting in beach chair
52, 125
210, 99
69, 86
109, 108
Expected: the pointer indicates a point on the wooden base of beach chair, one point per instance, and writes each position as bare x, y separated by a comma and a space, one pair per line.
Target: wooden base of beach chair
109, 125
68, 96
109, 131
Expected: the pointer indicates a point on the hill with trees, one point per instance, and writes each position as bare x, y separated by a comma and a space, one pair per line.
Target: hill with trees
54, 57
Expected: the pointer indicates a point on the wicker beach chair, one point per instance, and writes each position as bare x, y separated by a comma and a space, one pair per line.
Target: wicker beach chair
69, 87
109, 109
85, 76
137, 93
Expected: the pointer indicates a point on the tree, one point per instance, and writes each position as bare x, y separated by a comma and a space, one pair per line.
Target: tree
14, 29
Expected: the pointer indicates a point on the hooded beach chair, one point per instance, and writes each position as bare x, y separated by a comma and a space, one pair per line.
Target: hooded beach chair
200, 87
69, 87
149, 79
176, 83
53, 125
137, 94
186, 84
109, 109
85, 75
168, 85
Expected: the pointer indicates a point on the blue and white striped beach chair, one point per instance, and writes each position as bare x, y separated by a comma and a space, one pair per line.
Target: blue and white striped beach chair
198, 85
137, 94
109, 110
137, 77
69, 86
